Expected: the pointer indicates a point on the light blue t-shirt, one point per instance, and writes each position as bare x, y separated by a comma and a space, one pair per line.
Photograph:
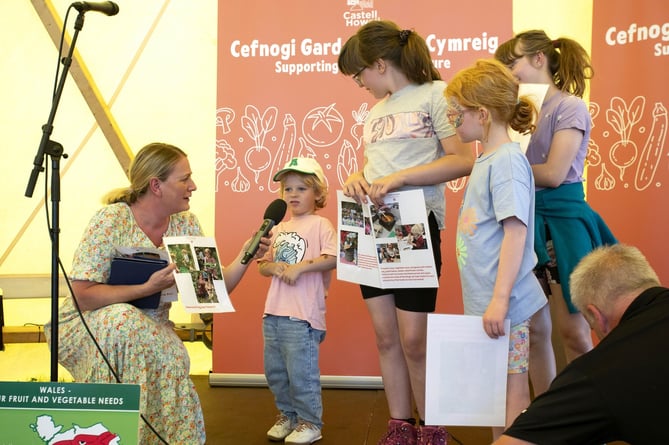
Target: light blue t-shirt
500, 186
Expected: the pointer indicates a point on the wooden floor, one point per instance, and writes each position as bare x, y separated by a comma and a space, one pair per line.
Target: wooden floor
242, 416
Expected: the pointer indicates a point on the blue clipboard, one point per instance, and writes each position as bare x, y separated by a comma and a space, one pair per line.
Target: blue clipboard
136, 270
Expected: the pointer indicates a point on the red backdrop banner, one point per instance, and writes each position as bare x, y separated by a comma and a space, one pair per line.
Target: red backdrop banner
628, 164
280, 95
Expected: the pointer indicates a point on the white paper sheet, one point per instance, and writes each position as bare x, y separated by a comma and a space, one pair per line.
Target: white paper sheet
466, 372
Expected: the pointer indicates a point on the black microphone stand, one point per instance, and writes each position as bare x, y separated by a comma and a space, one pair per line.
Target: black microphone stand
55, 151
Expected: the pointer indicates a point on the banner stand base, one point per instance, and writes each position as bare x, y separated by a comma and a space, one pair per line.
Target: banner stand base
327, 381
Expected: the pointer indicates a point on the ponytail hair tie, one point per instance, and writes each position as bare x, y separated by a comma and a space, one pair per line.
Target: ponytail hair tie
404, 36
555, 43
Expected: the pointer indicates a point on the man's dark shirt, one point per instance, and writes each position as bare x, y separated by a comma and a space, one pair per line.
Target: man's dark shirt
617, 392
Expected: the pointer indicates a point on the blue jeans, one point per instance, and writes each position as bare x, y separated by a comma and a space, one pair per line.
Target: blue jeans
291, 367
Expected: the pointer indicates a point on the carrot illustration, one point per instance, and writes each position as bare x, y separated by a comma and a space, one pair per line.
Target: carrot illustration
652, 149
347, 163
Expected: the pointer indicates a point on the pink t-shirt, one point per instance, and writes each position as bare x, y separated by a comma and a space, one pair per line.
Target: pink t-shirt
298, 239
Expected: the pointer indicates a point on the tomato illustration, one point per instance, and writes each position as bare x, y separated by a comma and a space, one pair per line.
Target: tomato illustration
323, 126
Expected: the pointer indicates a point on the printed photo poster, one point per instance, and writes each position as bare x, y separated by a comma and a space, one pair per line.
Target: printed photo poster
280, 95
628, 156
199, 275
386, 246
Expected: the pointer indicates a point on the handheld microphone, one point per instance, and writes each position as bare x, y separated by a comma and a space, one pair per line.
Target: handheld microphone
273, 214
107, 8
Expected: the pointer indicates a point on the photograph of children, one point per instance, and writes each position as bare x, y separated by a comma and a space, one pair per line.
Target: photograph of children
182, 256
384, 220
204, 287
411, 236
368, 226
207, 258
349, 247
418, 237
388, 253
351, 214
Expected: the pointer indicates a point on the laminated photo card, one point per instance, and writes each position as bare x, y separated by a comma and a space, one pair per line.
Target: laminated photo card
199, 275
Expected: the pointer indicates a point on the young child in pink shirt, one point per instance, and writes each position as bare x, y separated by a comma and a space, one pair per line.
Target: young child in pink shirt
300, 260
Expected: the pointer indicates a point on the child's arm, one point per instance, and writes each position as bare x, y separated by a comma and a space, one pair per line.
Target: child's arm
292, 272
270, 268
233, 273
356, 187
510, 257
563, 150
457, 162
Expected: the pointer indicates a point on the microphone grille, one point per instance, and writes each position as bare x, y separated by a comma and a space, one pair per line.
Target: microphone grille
276, 210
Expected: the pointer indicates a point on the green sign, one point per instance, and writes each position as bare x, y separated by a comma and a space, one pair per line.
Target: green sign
66, 413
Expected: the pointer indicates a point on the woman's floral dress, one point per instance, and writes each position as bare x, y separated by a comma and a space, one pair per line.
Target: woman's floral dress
139, 343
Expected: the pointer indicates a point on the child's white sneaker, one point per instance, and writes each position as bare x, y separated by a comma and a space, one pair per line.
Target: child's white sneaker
281, 428
305, 433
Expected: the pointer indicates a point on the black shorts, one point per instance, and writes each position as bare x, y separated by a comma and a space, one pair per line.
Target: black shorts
415, 299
